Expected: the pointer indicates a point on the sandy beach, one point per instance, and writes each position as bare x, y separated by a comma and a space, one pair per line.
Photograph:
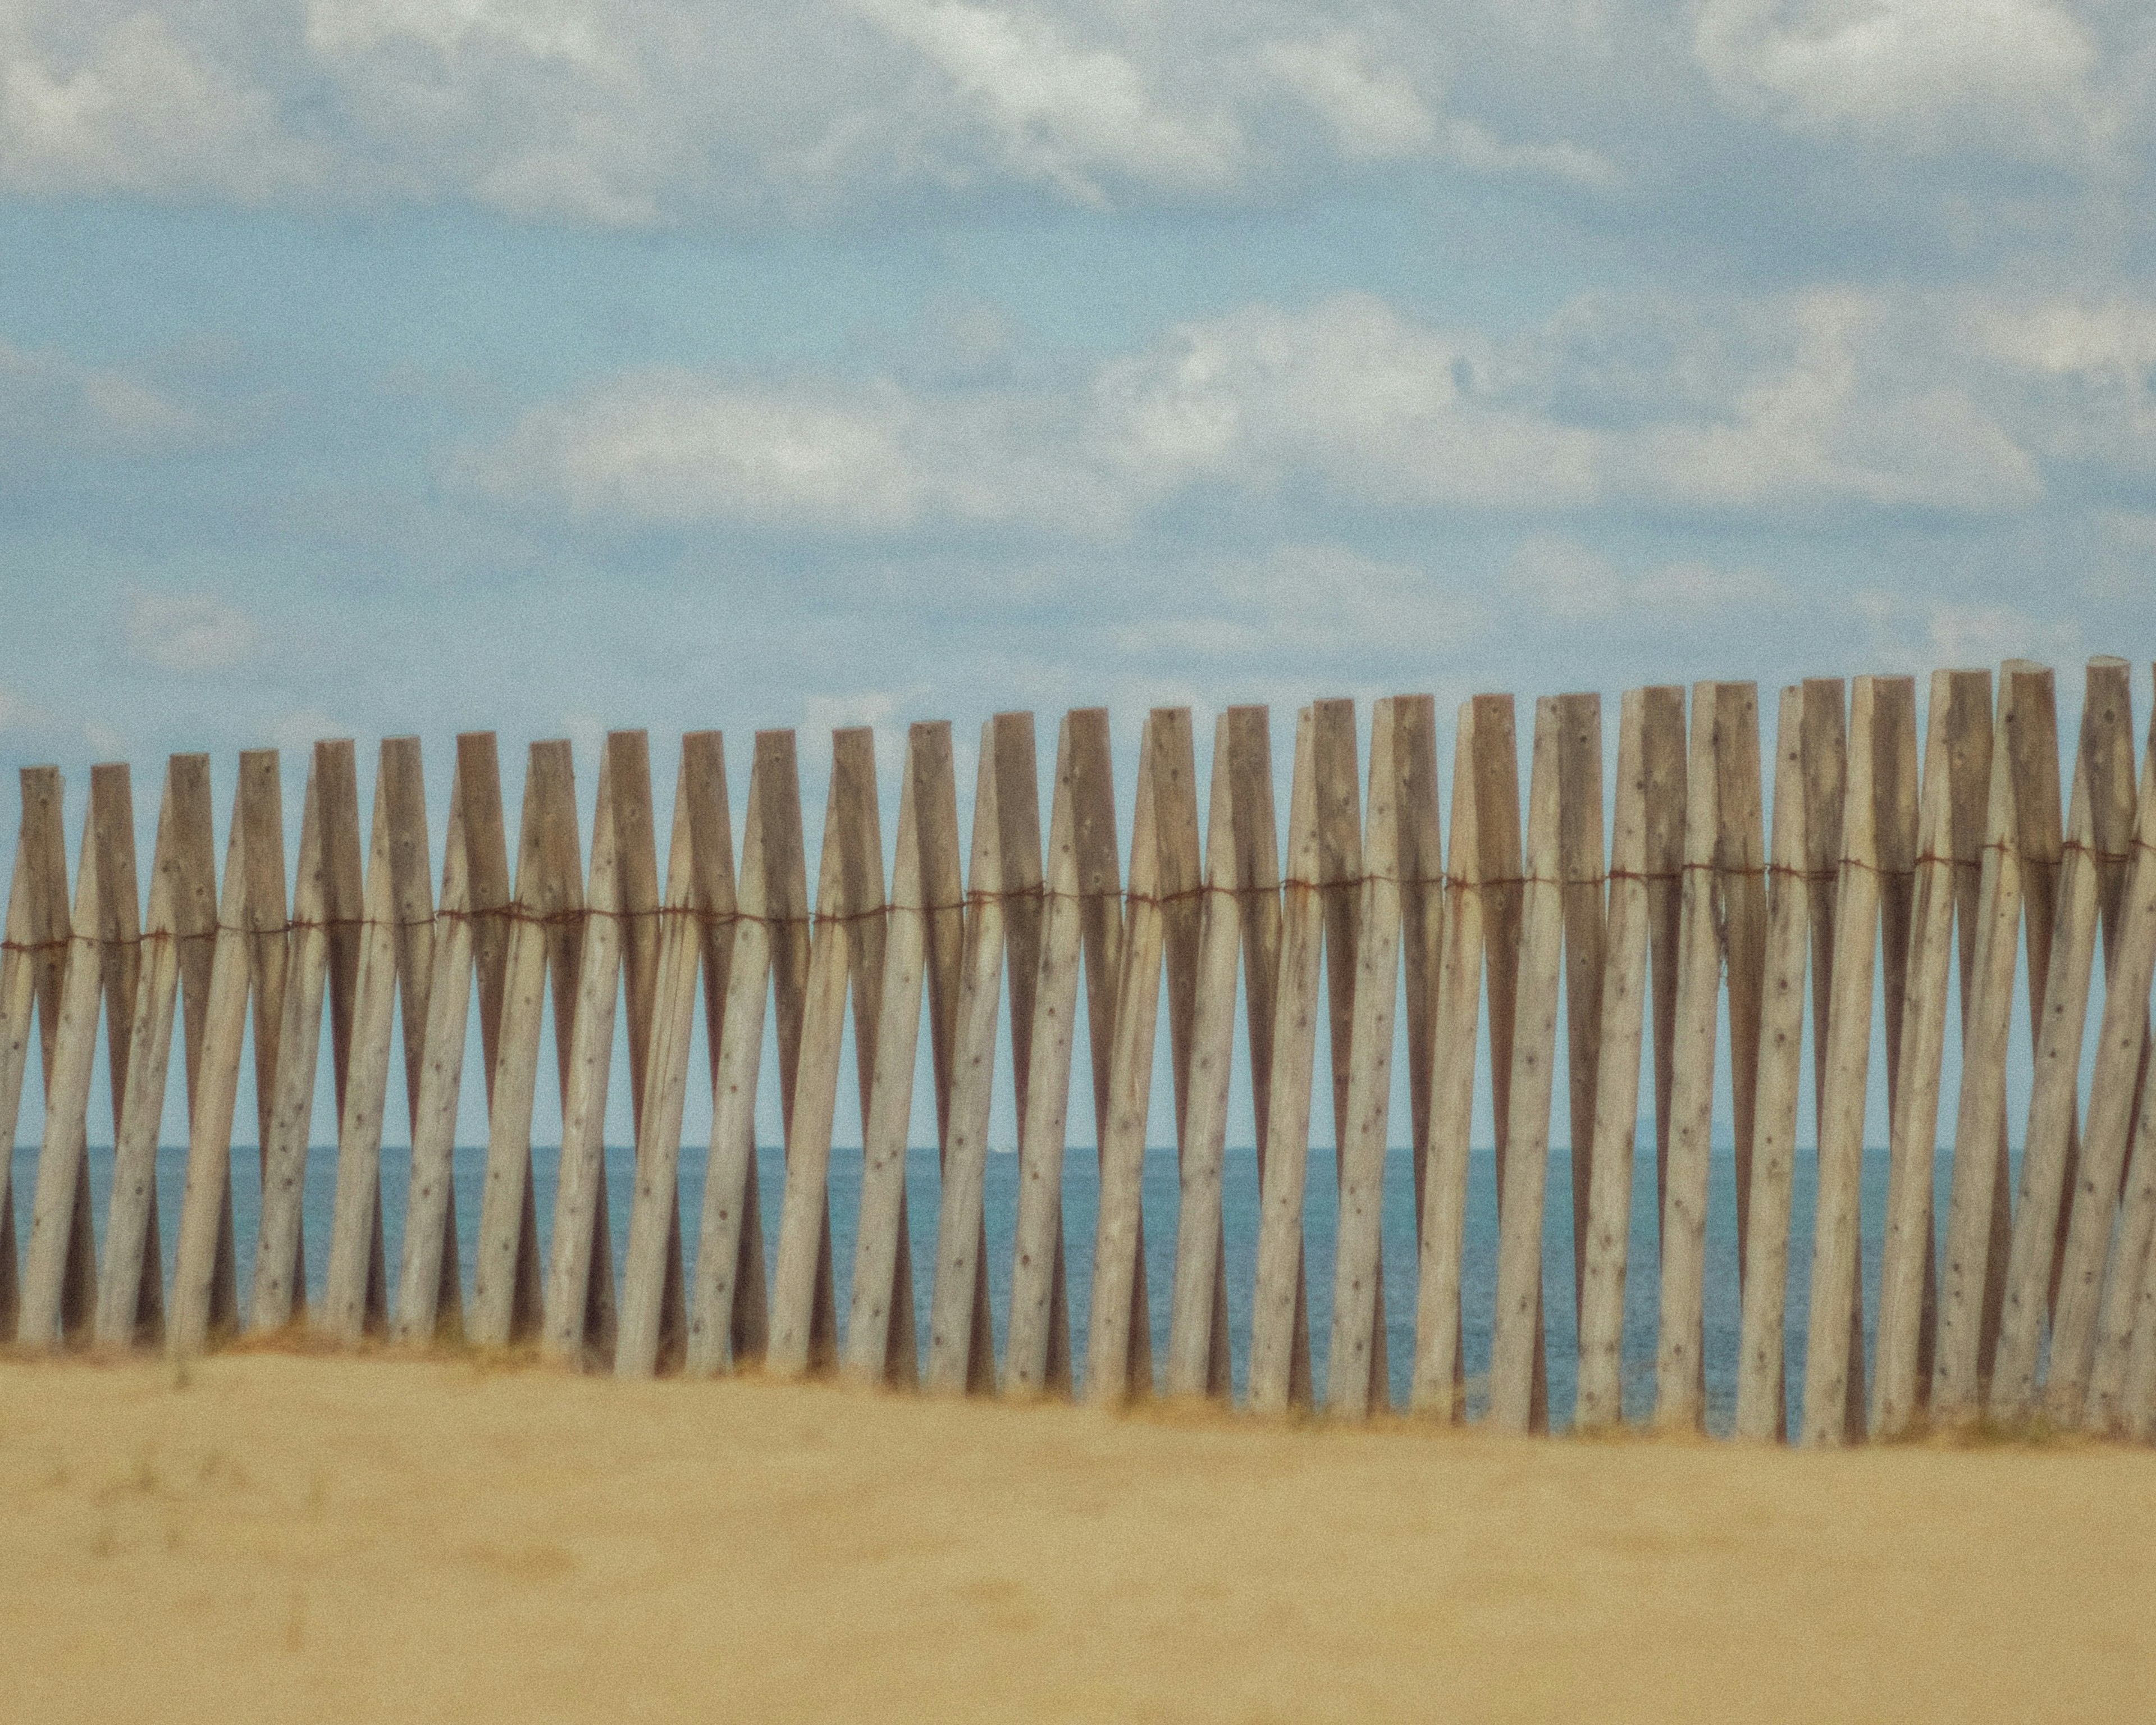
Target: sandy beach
277, 1537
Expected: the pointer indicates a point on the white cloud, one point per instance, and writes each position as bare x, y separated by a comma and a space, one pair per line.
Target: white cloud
640, 113
1302, 600
19, 714
2014, 77
108, 100
1789, 405
1916, 633
51, 406
1061, 112
193, 634
1376, 113
1563, 581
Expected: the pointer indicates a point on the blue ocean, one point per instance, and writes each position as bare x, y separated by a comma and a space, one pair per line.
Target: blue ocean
1241, 1205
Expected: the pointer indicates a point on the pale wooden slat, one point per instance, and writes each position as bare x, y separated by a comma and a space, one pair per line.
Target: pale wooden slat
2047, 1148
1422, 913
954, 1339
873, 1331
18, 993
1679, 1391
118, 934
1833, 1363
728, 1313
278, 1284
699, 892
1355, 1380
1740, 856
396, 961
474, 889
1663, 747
1325, 861
2106, 740
1620, 1021
1977, 1191
1036, 1259
120, 924
1018, 823
578, 1299
786, 886
1112, 1372
2106, 1407
727, 1253
58, 1272
429, 1301
1197, 1331
1968, 771
35, 961
1497, 825
1519, 1308
204, 1299
506, 1296
1762, 1411
1278, 1324
1826, 784
130, 1304
2033, 744
842, 896
2138, 1392
1436, 1387
1581, 869
1895, 829
1101, 903
1905, 1262
2121, 1066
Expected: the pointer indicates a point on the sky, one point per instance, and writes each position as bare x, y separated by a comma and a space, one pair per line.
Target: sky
374, 367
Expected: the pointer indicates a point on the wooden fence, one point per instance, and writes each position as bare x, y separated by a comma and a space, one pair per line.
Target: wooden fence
1920, 858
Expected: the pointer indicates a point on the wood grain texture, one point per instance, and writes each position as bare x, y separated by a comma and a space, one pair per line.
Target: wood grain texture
1906, 1258
395, 961
2048, 1148
1197, 1335
130, 1304
2115, 1086
1437, 1385
471, 941
1497, 830
1762, 1392
1620, 1027
1833, 1411
1977, 1193
1518, 1327
847, 906
1680, 1394
880, 1346
1113, 1371
204, 1304
30, 967
1740, 880
695, 925
1279, 1325
1663, 744
954, 1343
60, 1275
507, 1298
1356, 1378
620, 906
728, 1313
279, 1277
1580, 865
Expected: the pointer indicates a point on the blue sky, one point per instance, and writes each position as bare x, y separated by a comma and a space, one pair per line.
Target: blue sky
387, 365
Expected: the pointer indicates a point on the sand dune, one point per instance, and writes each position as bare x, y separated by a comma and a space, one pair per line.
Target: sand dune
288, 1538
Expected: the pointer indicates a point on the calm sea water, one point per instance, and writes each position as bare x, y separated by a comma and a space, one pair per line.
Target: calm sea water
1240, 1203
